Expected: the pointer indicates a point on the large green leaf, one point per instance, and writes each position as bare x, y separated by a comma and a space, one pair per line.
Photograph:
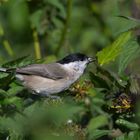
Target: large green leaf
97, 122
98, 134
109, 53
17, 62
134, 84
57, 4
127, 124
134, 135
20, 62
5, 81
98, 82
35, 18
130, 51
125, 24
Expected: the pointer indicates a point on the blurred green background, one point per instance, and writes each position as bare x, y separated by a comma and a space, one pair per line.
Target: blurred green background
102, 105
57, 27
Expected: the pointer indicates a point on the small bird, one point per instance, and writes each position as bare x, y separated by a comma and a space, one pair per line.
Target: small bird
52, 78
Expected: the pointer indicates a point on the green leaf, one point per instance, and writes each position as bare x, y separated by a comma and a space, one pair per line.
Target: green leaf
98, 81
97, 122
14, 100
109, 53
19, 62
5, 81
56, 113
112, 77
134, 135
11, 124
97, 134
134, 85
57, 4
14, 89
130, 51
130, 18
35, 19
121, 24
127, 124
3, 94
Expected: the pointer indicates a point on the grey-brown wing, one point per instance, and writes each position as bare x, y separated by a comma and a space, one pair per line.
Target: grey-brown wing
51, 71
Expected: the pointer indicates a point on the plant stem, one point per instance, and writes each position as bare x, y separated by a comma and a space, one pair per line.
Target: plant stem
36, 44
66, 27
6, 43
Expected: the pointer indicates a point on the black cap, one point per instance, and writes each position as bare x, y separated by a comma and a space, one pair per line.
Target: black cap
72, 58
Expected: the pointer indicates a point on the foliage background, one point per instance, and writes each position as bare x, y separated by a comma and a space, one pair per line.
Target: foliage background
47, 30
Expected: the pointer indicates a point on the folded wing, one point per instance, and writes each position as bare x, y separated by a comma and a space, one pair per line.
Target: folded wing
52, 71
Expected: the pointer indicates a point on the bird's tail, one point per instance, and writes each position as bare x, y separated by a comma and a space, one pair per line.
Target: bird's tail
7, 70
3, 70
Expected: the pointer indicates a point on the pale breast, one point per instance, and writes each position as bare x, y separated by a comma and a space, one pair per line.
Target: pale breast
40, 84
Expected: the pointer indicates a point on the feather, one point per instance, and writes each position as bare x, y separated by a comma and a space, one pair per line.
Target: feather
51, 71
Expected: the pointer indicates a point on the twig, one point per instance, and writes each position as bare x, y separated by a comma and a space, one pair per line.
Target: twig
36, 44
6, 43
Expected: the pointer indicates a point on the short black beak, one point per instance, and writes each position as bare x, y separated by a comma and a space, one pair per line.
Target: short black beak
90, 59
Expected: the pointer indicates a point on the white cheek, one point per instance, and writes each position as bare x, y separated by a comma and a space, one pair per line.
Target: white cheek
78, 66
82, 66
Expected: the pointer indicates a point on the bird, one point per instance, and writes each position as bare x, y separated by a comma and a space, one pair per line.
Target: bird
49, 79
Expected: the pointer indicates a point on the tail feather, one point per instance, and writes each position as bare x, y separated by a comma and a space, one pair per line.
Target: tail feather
3, 70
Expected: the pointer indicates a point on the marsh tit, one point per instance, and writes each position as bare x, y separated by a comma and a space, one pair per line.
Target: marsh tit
48, 79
